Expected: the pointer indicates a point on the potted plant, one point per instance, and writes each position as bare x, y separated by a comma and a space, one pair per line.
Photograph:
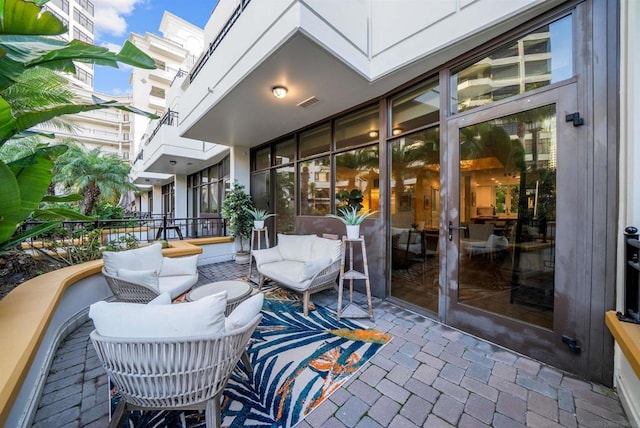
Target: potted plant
239, 220
259, 217
350, 217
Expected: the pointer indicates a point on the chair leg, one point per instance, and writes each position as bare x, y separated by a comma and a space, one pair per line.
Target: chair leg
305, 302
246, 362
261, 282
118, 414
212, 412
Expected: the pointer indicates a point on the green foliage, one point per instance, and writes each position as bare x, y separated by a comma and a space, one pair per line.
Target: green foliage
107, 211
24, 46
350, 216
235, 211
258, 214
351, 199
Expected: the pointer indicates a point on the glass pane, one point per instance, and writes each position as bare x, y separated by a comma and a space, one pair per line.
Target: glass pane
260, 190
415, 108
358, 128
204, 199
359, 169
314, 141
415, 207
285, 151
262, 158
214, 203
285, 200
213, 172
507, 202
315, 186
540, 58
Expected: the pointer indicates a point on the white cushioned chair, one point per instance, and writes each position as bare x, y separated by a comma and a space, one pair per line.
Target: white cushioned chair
141, 274
303, 263
172, 356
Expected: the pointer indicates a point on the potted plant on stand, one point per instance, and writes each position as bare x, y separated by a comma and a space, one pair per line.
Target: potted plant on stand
259, 217
350, 217
239, 220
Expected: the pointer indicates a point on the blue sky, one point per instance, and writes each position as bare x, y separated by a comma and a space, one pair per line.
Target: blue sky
115, 20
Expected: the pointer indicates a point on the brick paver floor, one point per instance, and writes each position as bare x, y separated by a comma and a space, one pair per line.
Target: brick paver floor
429, 375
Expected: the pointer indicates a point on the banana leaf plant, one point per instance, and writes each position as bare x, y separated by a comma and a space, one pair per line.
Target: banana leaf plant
25, 42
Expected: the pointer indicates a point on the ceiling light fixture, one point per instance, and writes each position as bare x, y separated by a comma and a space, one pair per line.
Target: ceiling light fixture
373, 134
396, 131
279, 91
172, 162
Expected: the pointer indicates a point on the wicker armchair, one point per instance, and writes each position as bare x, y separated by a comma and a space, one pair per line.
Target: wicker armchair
172, 373
125, 291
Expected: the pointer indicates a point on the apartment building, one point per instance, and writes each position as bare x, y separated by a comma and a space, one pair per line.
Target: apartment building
496, 144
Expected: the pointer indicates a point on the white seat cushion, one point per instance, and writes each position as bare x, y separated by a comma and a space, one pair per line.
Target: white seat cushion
144, 258
203, 317
162, 299
286, 272
177, 284
244, 312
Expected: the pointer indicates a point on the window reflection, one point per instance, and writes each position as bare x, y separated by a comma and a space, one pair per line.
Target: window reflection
538, 59
415, 108
315, 186
508, 204
359, 169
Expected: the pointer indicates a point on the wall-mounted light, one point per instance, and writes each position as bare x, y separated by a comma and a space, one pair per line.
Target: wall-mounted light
279, 91
172, 162
396, 131
373, 134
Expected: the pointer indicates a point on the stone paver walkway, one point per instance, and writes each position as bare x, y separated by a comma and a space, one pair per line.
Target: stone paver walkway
429, 375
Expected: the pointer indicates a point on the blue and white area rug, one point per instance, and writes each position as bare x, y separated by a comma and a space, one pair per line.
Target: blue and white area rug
297, 363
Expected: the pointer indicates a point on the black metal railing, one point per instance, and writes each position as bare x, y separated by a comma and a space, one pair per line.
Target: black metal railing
170, 118
631, 276
216, 42
144, 227
178, 75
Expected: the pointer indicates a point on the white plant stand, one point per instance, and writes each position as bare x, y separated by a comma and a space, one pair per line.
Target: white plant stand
258, 236
352, 310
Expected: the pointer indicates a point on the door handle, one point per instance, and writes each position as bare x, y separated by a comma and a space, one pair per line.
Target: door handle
451, 229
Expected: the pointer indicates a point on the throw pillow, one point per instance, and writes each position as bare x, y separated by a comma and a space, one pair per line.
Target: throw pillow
172, 266
144, 277
323, 247
244, 312
203, 317
295, 247
144, 258
162, 299
268, 255
311, 268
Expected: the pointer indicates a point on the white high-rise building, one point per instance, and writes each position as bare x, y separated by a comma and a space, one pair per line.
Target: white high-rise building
77, 15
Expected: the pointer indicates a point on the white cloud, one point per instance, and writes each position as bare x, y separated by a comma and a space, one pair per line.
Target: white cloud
109, 16
113, 47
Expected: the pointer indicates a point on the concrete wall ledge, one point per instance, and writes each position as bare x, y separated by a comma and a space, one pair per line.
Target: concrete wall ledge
34, 315
627, 372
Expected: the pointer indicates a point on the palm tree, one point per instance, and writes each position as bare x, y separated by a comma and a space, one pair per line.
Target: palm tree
93, 174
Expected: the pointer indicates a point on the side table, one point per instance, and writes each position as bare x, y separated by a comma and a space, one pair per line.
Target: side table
351, 310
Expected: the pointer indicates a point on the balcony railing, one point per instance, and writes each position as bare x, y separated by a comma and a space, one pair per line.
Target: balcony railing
170, 118
144, 227
221, 35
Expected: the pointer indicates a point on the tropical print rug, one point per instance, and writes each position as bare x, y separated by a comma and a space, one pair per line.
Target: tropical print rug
297, 363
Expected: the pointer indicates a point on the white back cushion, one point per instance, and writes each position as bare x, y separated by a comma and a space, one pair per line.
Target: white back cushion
323, 247
119, 319
244, 312
144, 277
172, 266
295, 247
144, 258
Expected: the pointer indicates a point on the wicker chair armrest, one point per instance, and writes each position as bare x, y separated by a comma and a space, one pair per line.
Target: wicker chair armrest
127, 291
327, 274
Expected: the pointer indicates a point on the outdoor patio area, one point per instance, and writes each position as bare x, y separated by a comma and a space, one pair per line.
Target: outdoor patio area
428, 375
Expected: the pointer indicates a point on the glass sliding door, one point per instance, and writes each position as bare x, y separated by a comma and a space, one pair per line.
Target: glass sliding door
415, 207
